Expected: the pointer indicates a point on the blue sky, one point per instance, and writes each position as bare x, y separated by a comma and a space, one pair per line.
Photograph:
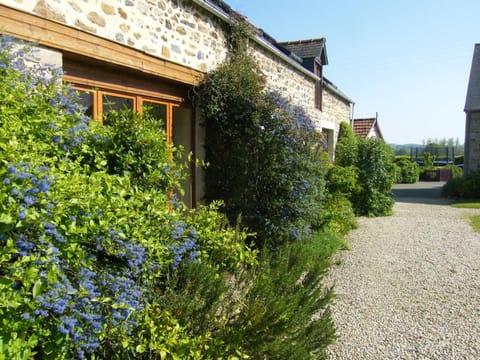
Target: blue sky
408, 60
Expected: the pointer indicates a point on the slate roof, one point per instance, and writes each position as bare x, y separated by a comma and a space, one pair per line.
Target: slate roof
473, 93
362, 127
308, 49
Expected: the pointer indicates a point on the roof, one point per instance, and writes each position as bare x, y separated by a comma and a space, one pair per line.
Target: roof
473, 93
307, 49
363, 127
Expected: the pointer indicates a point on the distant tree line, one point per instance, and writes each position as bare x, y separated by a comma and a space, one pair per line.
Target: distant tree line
431, 145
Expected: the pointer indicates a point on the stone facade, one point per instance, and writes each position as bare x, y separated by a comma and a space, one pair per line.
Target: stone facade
299, 89
178, 31
293, 85
472, 143
182, 32
335, 110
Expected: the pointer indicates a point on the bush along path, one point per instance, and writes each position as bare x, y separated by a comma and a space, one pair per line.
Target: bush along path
409, 288
99, 261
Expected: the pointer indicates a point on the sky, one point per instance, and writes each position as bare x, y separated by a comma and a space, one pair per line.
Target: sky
407, 60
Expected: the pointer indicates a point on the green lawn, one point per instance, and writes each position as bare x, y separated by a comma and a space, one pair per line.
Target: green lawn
470, 204
467, 204
475, 222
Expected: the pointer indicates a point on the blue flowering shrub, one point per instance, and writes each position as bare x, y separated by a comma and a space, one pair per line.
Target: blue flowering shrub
92, 244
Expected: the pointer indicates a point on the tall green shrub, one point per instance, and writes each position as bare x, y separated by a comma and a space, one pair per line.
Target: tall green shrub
264, 155
408, 171
346, 151
341, 183
376, 177
372, 160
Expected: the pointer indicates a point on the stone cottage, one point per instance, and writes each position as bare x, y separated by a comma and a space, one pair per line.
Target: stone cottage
139, 53
472, 110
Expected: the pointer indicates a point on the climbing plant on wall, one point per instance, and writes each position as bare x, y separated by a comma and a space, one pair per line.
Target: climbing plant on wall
265, 157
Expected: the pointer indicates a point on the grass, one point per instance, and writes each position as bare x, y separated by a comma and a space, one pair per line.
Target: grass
470, 204
467, 204
475, 222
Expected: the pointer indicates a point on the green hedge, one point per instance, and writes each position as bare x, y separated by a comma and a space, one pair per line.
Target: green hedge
463, 187
372, 160
407, 172
266, 161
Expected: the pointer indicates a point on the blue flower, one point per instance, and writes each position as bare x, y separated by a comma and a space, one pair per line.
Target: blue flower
41, 312
43, 186
22, 215
29, 200
6, 181
27, 317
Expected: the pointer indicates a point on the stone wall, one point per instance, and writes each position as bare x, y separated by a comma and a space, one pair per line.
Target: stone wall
472, 143
298, 88
174, 30
335, 109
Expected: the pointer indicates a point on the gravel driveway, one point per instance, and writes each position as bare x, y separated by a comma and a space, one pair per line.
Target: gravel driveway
409, 287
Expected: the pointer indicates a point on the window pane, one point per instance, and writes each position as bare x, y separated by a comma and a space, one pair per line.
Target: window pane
156, 110
114, 103
86, 100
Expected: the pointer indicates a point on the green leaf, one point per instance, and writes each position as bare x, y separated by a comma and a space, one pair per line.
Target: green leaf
6, 219
140, 349
52, 275
38, 288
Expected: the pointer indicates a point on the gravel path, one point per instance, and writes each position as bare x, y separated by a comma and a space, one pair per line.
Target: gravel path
409, 288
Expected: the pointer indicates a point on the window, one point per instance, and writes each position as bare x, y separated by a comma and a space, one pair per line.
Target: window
102, 90
318, 85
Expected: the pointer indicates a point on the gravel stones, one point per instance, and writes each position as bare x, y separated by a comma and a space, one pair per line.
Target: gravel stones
409, 288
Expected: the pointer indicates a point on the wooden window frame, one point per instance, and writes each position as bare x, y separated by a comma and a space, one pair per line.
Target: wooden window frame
168, 116
137, 101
